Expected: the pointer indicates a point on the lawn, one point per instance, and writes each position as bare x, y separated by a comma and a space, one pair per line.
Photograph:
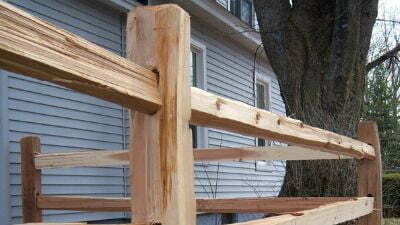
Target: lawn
395, 221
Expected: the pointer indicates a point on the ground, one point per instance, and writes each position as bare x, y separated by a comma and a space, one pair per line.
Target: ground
393, 221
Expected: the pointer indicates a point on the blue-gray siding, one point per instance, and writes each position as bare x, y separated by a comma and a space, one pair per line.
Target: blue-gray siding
66, 120
230, 74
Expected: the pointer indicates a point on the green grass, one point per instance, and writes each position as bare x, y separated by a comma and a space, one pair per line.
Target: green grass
393, 176
392, 221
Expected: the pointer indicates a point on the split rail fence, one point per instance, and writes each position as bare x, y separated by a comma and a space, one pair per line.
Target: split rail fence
152, 84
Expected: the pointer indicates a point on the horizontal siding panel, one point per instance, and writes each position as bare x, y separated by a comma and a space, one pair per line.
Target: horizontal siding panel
243, 75
55, 115
227, 85
41, 118
82, 216
26, 127
74, 189
230, 74
15, 168
46, 88
80, 143
240, 168
96, 12
77, 180
220, 90
223, 45
67, 121
27, 96
97, 25
103, 42
58, 12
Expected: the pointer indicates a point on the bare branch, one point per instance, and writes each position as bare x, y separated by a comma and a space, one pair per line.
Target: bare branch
388, 21
388, 55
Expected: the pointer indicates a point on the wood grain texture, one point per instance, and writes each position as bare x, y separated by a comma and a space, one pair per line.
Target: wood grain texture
159, 39
370, 174
144, 150
264, 205
121, 157
34, 48
236, 205
145, 162
329, 214
31, 180
263, 153
84, 203
213, 111
90, 158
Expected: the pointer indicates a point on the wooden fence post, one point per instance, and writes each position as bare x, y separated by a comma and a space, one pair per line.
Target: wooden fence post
158, 38
370, 173
31, 179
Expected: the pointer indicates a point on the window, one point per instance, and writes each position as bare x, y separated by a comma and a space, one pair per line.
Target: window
243, 9
197, 79
224, 3
263, 102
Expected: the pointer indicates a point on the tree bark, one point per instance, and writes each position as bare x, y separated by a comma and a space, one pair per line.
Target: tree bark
318, 49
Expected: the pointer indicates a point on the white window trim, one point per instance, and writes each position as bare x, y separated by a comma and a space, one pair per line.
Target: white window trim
266, 80
201, 78
263, 165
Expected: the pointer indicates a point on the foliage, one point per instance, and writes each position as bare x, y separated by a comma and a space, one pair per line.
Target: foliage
382, 105
382, 95
392, 221
391, 194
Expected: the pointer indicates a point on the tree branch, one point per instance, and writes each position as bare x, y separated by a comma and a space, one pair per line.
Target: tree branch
390, 54
388, 21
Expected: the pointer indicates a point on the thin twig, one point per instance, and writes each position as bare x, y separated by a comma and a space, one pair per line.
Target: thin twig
388, 55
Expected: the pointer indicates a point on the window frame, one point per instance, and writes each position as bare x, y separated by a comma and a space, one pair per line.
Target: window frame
235, 8
262, 165
201, 82
266, 82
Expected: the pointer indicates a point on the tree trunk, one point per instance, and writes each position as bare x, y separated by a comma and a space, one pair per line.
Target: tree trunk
318, 49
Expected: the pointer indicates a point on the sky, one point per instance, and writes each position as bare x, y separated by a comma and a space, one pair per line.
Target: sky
388, 10
389, 5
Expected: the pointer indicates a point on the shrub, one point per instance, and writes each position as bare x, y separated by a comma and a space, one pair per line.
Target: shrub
391, 194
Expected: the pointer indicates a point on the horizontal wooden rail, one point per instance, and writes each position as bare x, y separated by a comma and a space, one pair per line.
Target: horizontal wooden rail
329, 214
94, 158
121, 157
267, 205
218, 112
84, 203
38, 49
264, 153
237, 205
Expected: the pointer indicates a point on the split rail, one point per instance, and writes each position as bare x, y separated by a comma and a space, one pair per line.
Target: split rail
152, 84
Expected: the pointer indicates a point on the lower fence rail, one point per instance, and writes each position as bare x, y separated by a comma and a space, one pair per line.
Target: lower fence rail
235, 205
299, 211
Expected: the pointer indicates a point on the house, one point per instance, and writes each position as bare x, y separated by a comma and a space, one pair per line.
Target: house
226, 60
